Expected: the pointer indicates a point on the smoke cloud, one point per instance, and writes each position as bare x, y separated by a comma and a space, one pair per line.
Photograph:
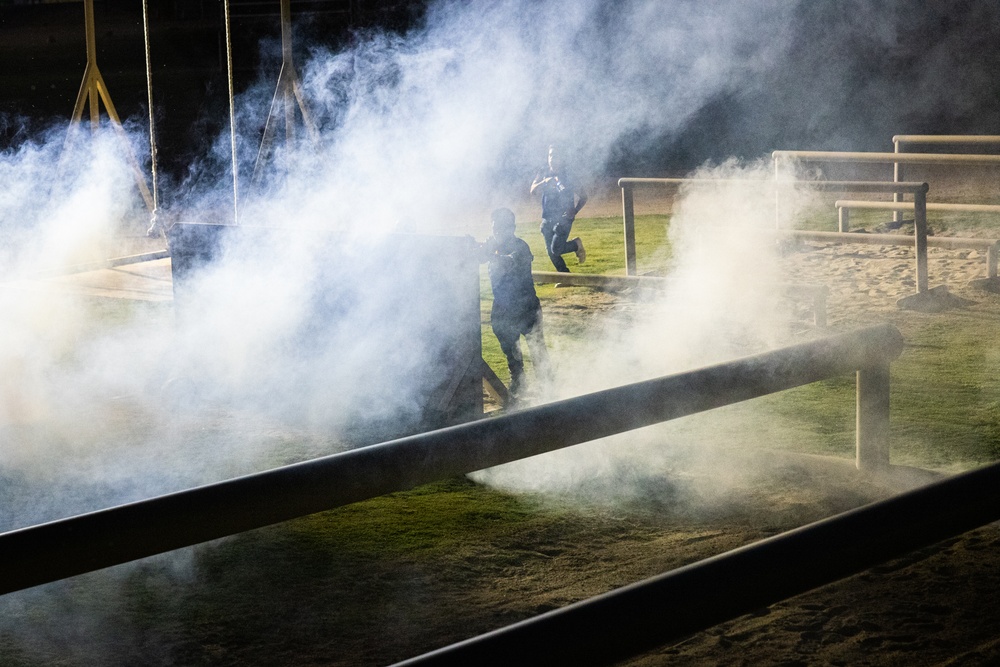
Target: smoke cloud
421, 132
425, 131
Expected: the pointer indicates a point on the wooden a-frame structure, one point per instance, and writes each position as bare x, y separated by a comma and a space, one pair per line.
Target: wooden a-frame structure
92, 90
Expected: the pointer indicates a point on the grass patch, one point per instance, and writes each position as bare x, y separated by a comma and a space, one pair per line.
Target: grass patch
291, 593
604, 240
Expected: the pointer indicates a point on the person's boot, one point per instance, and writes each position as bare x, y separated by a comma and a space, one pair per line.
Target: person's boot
581, 254
515, 388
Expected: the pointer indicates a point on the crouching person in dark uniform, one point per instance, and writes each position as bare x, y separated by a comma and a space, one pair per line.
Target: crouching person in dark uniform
516, 309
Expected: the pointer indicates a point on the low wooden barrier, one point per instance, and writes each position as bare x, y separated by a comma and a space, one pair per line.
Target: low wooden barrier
886, 158
96, 265
75, 545
843, 206
898, 159
988, 246
918, 190
901, 140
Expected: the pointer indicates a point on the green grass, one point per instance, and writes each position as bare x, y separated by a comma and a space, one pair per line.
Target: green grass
604, 241
307, 591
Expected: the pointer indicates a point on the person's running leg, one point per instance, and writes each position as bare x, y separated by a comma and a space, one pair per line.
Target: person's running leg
549, 234
510, 342
534, 336
560, 245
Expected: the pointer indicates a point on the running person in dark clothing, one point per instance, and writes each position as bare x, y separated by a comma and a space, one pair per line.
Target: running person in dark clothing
562, 199
516, 309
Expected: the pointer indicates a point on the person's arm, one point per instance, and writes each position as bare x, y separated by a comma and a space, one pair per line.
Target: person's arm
487, 250
539, 181
521, 256
582, 194
512, 258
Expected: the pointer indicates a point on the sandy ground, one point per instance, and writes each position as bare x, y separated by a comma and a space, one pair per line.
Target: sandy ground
145, 281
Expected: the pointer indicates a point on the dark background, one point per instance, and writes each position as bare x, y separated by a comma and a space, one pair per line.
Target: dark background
845, 84
43, 55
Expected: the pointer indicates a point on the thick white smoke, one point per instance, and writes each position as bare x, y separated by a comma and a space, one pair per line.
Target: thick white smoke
453, 117
429, 131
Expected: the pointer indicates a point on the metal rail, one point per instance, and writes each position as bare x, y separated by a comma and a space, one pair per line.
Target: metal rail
634, 619
75, 545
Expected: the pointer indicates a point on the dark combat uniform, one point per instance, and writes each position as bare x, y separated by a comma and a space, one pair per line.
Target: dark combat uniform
516, 309
558, 212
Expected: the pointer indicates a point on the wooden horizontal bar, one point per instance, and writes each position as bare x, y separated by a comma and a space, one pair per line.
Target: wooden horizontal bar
597, 280
908, 206
693, 181
835, 186
888, 158
652, 282
889, 239
631, 620
98, 265
946, 139
74, 545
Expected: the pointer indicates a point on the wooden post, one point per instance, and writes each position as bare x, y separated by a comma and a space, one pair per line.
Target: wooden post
784, 176
286, 64
287, 94
920, 238
628, 214
88, 17
897, 176
873, 418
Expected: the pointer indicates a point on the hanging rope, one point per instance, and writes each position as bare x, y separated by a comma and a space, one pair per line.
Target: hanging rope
232, 116
149, 94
